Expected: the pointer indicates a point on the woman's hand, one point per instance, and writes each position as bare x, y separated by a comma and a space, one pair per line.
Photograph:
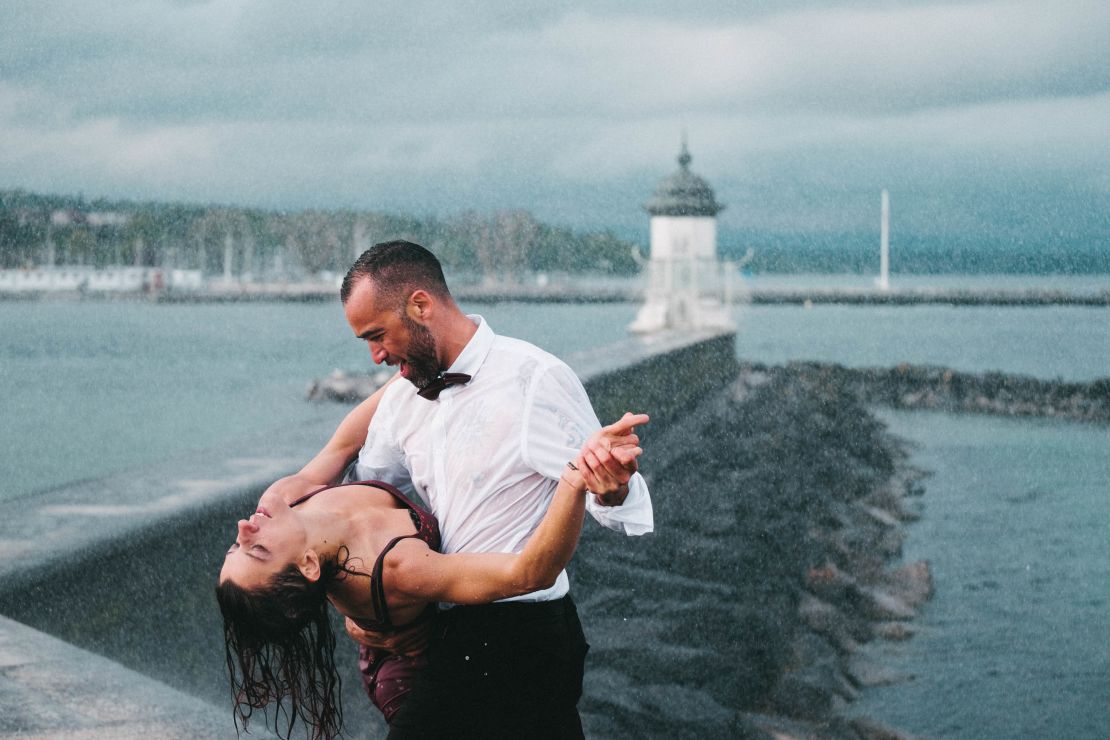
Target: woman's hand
608, 459
404, 642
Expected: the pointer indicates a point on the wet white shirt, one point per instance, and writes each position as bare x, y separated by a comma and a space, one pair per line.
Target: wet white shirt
486, 456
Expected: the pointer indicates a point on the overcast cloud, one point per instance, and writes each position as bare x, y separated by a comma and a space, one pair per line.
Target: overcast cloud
977, 116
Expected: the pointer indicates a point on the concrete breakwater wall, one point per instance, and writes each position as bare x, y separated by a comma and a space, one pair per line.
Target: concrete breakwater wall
118, 573
51, 689
942, 389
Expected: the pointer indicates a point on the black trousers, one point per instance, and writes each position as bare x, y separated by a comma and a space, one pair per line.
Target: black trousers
507, 670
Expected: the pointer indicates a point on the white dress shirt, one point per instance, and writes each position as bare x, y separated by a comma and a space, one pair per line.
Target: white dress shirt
486, 456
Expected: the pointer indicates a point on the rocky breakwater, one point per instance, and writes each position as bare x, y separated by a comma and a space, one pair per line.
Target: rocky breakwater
779, 508
935, 388
344, 387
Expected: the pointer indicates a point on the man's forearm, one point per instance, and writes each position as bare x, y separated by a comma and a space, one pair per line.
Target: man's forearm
344, 445
330, 462
327, 467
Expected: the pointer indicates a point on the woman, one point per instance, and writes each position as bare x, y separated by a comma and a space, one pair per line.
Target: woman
372, 553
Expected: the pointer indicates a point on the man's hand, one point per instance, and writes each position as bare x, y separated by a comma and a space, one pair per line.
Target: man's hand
292, 487
405, 642
608, 459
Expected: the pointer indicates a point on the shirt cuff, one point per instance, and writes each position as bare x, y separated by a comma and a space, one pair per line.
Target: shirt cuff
633, 517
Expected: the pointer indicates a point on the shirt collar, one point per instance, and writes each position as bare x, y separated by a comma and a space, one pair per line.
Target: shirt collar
474, 354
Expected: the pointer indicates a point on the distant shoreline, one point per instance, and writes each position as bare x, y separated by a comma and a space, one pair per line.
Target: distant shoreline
312, 293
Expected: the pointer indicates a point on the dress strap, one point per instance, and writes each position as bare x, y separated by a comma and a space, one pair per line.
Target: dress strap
387, 487
377, 585
426, 530
390, 489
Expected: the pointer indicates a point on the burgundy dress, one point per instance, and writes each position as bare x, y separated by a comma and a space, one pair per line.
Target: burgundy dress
388, 677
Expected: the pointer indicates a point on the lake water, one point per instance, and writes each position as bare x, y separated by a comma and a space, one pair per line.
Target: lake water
1012, 645
1070, 342
92, 388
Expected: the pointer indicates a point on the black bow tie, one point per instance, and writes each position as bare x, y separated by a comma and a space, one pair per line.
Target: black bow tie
432, 390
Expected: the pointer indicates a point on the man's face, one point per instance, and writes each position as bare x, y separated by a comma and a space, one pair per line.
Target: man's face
393, 337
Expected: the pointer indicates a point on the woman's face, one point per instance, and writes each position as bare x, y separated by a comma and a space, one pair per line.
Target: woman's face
266, 542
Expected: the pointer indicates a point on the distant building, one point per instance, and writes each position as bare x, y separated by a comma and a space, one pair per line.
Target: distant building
688, 286
81, 279
74, 217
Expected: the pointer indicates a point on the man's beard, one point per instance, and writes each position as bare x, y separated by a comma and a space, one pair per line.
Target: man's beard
421, 357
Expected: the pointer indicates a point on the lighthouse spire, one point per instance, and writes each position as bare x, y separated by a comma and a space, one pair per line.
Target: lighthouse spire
684, 157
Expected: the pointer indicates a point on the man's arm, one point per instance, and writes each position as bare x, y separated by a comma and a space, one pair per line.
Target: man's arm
343, 447
558, 419
424, 575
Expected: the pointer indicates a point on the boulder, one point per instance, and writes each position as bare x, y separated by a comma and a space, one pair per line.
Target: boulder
912, 583
842, 631
882, 606
829, 583
864, 672
869, 729
804, 694
895, 631
882, 517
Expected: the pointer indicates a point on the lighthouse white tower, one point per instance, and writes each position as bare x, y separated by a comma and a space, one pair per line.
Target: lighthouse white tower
884, 243
688, 287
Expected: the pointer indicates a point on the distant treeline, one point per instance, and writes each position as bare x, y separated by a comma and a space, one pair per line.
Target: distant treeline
38, 230
858, 252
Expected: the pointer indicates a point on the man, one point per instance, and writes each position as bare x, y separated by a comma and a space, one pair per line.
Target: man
481, 431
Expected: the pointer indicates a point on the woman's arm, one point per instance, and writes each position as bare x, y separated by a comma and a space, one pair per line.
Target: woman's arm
415, 571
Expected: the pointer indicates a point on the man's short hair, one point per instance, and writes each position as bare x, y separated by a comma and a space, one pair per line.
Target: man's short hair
397, 269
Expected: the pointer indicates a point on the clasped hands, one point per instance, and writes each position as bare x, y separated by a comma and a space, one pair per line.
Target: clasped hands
607, 460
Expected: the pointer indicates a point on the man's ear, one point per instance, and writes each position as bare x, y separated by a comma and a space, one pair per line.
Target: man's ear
309, 566
420, 305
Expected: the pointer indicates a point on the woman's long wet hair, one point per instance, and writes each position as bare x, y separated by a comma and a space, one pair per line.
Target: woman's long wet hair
281, 650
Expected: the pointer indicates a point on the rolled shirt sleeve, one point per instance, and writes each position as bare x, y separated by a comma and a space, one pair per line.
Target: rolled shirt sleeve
558, 419
633, 517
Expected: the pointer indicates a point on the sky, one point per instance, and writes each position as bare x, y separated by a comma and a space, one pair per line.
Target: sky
985, 118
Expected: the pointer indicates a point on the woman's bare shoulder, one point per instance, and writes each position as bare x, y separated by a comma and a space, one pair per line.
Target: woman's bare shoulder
409, 553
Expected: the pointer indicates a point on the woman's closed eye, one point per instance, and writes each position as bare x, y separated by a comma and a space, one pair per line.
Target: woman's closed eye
257, 550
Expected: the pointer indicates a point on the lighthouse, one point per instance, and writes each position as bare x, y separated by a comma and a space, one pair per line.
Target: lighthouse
688, 286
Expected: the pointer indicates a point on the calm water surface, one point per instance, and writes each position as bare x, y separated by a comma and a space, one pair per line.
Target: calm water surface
1013, 644
1070, 342
89, 389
